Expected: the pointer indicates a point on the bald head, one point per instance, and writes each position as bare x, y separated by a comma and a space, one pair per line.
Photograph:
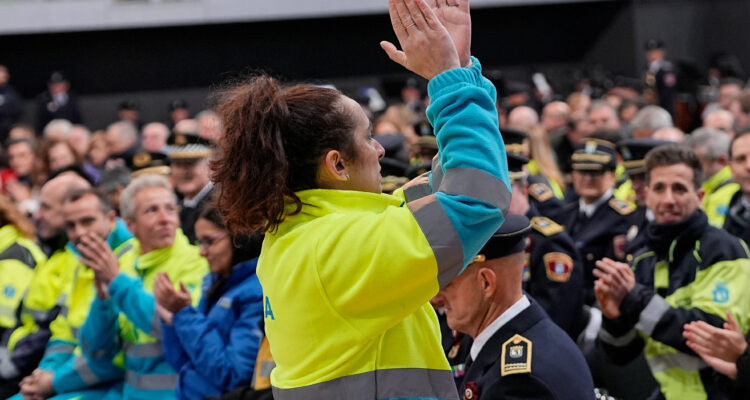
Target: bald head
120, 136
555, 115
49, 217
669, 133
523, 117
722, 120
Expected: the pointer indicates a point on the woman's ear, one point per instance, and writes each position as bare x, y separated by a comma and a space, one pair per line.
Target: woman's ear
332, 171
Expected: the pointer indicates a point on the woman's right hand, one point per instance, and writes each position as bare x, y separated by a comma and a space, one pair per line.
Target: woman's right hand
428, 48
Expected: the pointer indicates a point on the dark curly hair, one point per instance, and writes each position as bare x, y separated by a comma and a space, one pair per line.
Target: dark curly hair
273, 141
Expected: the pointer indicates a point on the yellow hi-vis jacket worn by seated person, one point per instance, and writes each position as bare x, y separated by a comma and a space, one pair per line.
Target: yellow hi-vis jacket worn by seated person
347, 280
19, 256
128, 321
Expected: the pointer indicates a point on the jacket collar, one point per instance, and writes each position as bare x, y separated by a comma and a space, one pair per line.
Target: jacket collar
318, 203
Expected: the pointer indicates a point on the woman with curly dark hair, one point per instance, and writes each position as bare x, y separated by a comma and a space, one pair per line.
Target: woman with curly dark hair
346, 271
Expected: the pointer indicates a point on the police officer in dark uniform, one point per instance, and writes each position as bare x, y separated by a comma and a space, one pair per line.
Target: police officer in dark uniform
660, 76
518, 352
553, 273
56, 103
633, 153
597, 222
188, 155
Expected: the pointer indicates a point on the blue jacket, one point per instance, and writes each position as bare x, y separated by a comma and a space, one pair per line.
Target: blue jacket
215, 346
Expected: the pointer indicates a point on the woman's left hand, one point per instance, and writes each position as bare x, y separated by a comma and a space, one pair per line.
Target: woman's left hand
168, 298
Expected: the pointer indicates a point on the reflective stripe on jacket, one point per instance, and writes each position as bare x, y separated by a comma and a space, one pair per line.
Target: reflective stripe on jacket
347, 280
128, 321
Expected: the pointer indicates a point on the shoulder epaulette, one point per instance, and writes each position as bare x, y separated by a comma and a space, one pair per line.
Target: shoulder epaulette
515, 356
622, 207
20, 253
546, 226
540, 191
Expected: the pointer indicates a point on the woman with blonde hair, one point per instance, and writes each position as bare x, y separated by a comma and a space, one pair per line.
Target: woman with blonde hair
543, 165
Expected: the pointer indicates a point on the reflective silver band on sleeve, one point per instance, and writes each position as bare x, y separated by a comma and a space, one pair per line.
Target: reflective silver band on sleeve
682, 361
477, 184
441, 235
651, 315
151, 381
397, 383
619, 341
84, 371
436, 172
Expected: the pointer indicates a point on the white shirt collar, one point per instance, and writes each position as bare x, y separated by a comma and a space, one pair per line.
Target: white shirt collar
482, 338
192, 203
589, 209
650, 215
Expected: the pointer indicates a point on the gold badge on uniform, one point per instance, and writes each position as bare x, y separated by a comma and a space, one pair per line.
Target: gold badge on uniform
540, 191
515, 356
141, 159
558, 266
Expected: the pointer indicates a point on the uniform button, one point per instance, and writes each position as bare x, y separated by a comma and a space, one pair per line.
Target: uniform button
590, 256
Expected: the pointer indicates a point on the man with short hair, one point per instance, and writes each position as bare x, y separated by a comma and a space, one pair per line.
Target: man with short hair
63, 369
722, 120
649, 120
154, 137
24, 347
602, 116
737, 221
122, 142
712, 148
518, 352
688, 271
124, 316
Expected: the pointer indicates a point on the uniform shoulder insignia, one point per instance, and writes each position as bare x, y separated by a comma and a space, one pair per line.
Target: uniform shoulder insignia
622, 207
558, 266
540, 191
546, 226
515, 356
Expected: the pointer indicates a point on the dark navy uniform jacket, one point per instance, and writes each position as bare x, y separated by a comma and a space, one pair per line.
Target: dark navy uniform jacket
554, 272
603, 234
736, 222
542, 362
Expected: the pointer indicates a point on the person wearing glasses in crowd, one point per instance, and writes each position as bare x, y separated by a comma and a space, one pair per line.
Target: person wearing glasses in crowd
214, 346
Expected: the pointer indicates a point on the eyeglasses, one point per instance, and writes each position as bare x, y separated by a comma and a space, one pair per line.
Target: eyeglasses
208, 241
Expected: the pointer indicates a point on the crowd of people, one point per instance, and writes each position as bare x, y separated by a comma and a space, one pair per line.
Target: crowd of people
463, 243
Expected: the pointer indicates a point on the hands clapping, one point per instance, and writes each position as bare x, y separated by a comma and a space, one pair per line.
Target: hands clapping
428, 47
168, 300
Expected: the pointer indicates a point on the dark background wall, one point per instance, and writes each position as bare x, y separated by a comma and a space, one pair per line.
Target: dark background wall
155, 65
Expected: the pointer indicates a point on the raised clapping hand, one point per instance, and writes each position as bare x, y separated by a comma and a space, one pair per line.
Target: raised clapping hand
455, 17
169, 299
428, 48
615, 281
719, 348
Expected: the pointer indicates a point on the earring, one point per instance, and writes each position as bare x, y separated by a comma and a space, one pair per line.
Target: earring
347, 176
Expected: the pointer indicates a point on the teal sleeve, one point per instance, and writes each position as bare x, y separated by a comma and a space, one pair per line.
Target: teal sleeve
80, 373
136, 303
473, 188
99, 337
